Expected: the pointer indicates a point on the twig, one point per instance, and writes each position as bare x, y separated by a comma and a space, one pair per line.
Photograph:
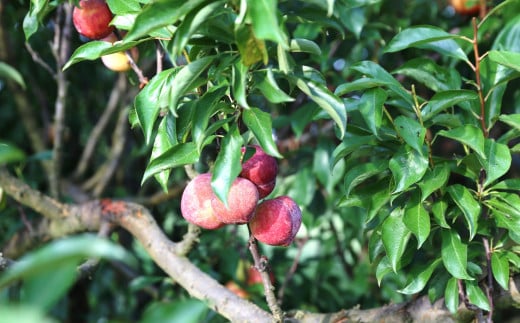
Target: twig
339, 251
112, 105
289, 275
261, 263
480, 91
489, 287
86, 269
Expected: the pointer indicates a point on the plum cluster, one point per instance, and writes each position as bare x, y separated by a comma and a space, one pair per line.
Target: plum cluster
273, 221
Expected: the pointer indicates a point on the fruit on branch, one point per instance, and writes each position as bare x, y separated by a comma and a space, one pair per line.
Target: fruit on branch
254, 277
242, 200
236, 289
276, 221
118, 62
92, 19
196, 203
261, 169
466, 7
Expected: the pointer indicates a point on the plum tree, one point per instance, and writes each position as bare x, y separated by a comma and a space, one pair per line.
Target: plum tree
261, 169
118, 62
241, 203
92, 19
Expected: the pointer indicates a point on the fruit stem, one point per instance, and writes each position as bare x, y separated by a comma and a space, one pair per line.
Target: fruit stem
261, 266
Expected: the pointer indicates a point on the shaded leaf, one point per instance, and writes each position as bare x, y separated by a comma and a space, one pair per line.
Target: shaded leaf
500, 269
371, 108
467, 204
454, 254
417, 220
421, 278
506, 58
436, 77
260, 123
468, 135
304, 45
446, 99
10, 73
205, 107
434, 179
451, 295
408, 167
10, 154
266, 83
251, 48
358, 174
411, 131
395, 236
263, 14
178, 155
498, 160
476, 296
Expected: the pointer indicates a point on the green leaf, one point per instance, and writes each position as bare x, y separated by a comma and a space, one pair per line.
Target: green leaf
327, 101
263, 14
37, 11
498, 160
506, 58
239, 85
15, 313
160, 13
468, 135
186, 79
467, 204
439, 209
371, 108
10, 73
411, 131
93, 50
408, 167
191, 23
451, 295
376, 73
383, 268
205, 108
259, 122
427, 37
421, 278
513, 120
178, 155
434, 180
500, 269
454, 254
417, 220
227, 164
183, 310
395, 236
436, 77
71, 250
351, 143
359, 173
165, 139
150, 100
476, 296
446, 99
252, 49
510, 184
10, 154
304, 45
266, 83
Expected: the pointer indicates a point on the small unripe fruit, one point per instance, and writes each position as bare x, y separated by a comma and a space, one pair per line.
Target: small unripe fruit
92, 19
466, 7
236, 289
276, 221
118, 62
261, 169
196, 203
242, 200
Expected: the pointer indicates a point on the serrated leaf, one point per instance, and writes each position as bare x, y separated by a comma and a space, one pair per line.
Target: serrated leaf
305, 46
205, 107
408, 167
263, 14
417, 220
411, 131
434, 179
149, 102
500, 269
421, 278
95, 49
506, 58
468, 135
376, 73
446, 99
191, 23
498, 160
436, 77
252, 49
395, 236
467, 204
358, 174
260, 123
178, 155
186, 79
476, 296
327, 101
371, 108
227, 165
266, 83
454, 254
451, 295
160, 13
427, 37
10, 73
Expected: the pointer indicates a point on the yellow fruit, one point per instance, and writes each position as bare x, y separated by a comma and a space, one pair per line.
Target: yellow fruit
118, 62
466, 7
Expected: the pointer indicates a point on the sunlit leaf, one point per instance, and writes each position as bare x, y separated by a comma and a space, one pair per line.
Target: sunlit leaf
263, 14
454, 254
434, 179
476, 296
259, 122
430, 74
498, 160
10, 73
411, 131
179, 155
408, 167
421, 278
451, 295
467, 204
417, 220
468, 135
500, 269
395, 236
371, 108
